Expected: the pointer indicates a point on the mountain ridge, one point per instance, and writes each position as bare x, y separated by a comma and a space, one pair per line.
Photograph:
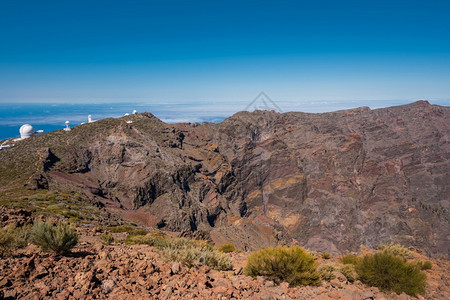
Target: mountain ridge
329, 181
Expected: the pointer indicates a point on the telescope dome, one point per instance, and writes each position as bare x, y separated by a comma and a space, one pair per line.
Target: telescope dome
26, 131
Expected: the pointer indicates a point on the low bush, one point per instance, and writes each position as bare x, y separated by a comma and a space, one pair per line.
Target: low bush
188, 252
395, 249
120, 228
131, 230
348, 270
138, 232
6, 241
325, 255
155, 240
12, 238
291, 264
59, 238
425, 265
350, 259
327, 272
107, 239
227, 248
390, 272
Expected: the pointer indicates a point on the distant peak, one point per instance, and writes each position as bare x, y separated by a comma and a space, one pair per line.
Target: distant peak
421, 102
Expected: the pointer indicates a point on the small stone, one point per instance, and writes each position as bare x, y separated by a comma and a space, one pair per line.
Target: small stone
41, 272
403, 296
167, 293
336, 283
284, 286
368, 296
334, 295
176, 268
5, 282
220, 290
108, 285
269, 283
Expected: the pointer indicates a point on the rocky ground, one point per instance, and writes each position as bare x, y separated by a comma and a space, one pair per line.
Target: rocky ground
118, 271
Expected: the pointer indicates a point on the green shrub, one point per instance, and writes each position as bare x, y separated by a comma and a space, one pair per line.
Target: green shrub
6, 241
107, 239
425, 265
227, 248
70, 214
348, 270
189, 252
395, 249
291, 264
22, 236
154, 240
120, 228
186, 251
59, 237
327, 272
12, 238
350, 259
390, 272
138, 232
325, 255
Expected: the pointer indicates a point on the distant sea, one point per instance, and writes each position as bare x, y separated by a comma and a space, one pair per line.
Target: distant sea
52, 116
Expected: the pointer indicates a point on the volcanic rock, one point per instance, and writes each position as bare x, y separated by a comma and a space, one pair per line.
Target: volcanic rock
330, 181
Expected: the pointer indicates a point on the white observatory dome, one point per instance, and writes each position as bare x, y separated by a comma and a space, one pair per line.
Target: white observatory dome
26, 131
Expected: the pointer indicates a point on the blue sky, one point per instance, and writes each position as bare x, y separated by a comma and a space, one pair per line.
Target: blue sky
217, 52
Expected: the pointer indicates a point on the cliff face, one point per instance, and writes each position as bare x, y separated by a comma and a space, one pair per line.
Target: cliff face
329, 181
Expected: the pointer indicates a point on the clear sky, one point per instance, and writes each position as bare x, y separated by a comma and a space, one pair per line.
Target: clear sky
219, 51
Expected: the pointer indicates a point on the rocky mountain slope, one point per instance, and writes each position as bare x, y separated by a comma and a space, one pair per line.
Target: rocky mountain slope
95, 271
330, 182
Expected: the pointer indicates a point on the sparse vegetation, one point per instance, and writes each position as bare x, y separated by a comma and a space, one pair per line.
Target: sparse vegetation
291, 264
390, 273
130, 229
59, 238
395, 249
12, 238
325, 255
350, 259
121, 228
156, 240
348, 270
186, 251
107, 239
425, 265
227, 248
189, 252
6, 241
327, 272
70, 205
138, 232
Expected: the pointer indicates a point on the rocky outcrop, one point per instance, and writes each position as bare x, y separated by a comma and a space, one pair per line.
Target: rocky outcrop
330, 182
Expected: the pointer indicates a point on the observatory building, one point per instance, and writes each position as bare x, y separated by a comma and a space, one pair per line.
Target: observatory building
27, 131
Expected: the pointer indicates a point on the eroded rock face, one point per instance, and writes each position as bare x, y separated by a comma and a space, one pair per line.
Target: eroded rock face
329, 181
